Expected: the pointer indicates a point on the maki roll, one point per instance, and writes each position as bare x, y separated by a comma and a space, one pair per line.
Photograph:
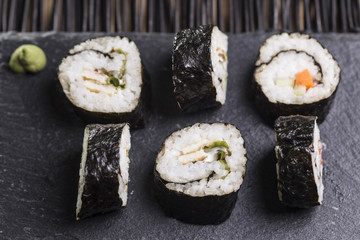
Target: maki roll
198, 172
104, 169
299, 161
295, 74
103, 79
199, 65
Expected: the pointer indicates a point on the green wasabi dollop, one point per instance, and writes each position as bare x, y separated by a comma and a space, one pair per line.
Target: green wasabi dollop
27, 58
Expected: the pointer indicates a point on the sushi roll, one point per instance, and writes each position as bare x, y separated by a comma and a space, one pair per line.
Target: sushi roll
104, 169
198, 172
295, 74
199, 65
299, 161
103, 79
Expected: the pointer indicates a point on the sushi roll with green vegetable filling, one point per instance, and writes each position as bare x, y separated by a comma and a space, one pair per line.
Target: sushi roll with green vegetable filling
103, 79
295, 75
198, 172
299, 161
200, 68
104, 169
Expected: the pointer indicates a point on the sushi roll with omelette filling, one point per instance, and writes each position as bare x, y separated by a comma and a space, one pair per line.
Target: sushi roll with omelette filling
295, 75
200, 68
104, 169
103, 79
299, 161
199, 171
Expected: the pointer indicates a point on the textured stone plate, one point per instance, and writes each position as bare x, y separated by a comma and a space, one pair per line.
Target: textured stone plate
41, 137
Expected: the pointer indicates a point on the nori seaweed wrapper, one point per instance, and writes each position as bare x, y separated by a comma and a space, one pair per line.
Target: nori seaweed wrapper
211, 209
294, 150
192, 68
100, 193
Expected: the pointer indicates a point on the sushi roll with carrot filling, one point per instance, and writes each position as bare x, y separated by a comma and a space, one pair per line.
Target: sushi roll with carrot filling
199, 65
299, 164
295, 75
103, 79
199, 171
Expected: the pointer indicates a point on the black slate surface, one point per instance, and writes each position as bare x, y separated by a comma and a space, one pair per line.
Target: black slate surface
41, 136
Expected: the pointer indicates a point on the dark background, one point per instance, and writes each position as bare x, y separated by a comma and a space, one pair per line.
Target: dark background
41, 143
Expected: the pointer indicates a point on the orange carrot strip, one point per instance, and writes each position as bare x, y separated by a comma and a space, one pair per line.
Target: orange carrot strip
304, 78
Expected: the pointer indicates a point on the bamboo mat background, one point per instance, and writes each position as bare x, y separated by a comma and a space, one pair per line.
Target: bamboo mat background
172, 15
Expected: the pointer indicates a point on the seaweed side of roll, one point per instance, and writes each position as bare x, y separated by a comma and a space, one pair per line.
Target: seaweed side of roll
296, 180
100, 192
192, 69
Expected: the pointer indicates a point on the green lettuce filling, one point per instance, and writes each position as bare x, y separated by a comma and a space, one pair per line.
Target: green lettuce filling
118, 81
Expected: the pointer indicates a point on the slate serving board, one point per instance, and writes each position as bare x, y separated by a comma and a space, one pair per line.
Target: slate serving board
41, 137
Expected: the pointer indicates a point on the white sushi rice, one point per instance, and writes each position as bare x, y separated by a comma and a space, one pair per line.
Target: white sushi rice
124, 161
206, 177
279, 68
273, 65
219, 48
108, 98
317, 164
82, 172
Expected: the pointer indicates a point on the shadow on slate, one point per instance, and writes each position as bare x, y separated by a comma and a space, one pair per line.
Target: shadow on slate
148, 185
251, 99
146, 91
62, 105
164, 99
66, 184
267, 174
